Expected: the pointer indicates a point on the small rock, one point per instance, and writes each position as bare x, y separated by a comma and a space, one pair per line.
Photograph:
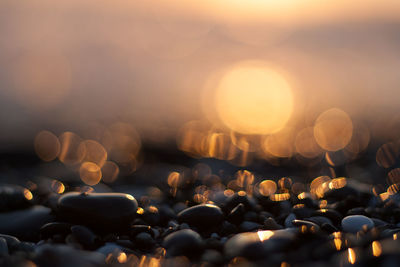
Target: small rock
355, 223
202, 216
106, 211
183, 242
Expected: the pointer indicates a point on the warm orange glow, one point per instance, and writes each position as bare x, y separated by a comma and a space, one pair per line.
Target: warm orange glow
267, 187
280, 144
95, 152
337, 183
47, 146
90, 173
351, 255
110, 171
376, 248
72, 150
306, 145
338, 243
41, 79
387, 154
252, 99
279, 197
57, 187
317, 187
140, 211
28, 195
264, 235
333, 129
122, 258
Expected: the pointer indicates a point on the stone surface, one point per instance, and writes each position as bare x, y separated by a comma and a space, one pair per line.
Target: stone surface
183, 242
111, 211
355, 223
202, 216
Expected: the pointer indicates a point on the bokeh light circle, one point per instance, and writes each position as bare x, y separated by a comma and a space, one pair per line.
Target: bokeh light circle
253, 99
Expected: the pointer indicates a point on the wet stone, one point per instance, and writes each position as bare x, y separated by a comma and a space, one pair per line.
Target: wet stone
331, 214
355, 223
202, 216
105, 211
183, 242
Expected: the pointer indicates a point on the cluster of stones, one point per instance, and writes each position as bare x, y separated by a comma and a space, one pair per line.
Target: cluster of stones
94, 229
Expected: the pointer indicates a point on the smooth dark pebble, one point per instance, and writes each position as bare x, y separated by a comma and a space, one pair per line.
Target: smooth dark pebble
355, 223
144, 241
106, 211
202, 216
3, 247
183, 242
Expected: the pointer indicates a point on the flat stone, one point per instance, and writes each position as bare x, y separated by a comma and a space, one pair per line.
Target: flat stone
106, 211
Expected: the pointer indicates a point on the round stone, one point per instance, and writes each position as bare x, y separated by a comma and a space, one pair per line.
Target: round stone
355, 223
202, 216
183, 242
110, 211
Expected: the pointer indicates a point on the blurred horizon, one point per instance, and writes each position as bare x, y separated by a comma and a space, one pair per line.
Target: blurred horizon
154, 64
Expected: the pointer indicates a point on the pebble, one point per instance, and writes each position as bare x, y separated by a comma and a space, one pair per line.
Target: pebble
105, 211
3, 247
202, 216
14, 197
183, 242
84, 236
355, 223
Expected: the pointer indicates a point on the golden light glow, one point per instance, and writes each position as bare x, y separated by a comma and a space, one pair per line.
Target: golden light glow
122, 258
351, 255
306, 145
338, 243
337, 183
140, 211
376, 248
47, 146
280, 197
252, 99
267, 187
95, 152
90, 173
333, 129
72, 150
264, 235
57, 187
27, 194
280, 144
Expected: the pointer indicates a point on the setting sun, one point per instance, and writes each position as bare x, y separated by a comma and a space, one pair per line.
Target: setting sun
253, 99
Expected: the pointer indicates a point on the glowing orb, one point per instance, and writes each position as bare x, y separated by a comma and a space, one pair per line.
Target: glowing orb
254, 100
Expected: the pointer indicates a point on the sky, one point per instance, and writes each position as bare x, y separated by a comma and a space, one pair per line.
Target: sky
65, 64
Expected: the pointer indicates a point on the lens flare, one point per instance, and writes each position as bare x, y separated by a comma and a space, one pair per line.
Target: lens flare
90, 173
47, 146
253, 99
333, 129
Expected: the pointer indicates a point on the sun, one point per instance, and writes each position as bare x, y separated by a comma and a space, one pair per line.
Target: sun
253, 99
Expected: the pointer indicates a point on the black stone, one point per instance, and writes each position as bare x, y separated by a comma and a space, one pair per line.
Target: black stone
202, 216
105, 211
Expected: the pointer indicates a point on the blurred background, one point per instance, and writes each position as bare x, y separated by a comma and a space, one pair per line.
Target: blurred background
90, 82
